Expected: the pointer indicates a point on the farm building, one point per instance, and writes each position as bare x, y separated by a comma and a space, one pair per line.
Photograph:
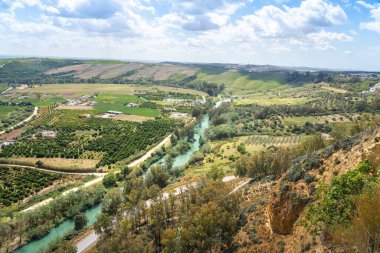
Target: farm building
114, 112
7, 143
178, 115
133, 105
325, 136
73, 102
48, 134
85, 116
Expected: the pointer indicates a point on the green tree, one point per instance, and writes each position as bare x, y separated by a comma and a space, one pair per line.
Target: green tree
241, 148
109, 180
80, 221
216, 173
39, 164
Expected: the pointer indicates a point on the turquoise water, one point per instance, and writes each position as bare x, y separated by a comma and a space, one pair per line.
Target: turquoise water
92, 213
182, 159
59, 231
199, 132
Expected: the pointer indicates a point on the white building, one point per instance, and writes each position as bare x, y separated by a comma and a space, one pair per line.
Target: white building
48, 134
114, 112
375, 87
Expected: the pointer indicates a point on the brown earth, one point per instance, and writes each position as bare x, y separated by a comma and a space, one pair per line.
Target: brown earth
97, 70
71, 68
275, 211
162, 72
121, 70
134, 118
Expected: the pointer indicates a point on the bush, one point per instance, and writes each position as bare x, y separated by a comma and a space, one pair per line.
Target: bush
336, 206
39, 164
109, 180
363, 233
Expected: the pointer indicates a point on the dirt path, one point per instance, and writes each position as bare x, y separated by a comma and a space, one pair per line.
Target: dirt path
150, 152
24, 121
52, 171
47, 201
10, 88
99, 175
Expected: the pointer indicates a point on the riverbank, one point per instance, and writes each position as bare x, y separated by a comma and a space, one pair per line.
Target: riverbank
88, 241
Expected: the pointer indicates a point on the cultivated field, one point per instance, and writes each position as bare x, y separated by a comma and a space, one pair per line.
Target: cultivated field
136, 71
134, 118
121, 70
271, 140
59, 164
238, 83
75, 107
271, 101
69, 69
73, 90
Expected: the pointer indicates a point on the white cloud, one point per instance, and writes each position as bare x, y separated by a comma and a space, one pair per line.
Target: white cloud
375, 24
311, 15
284, 28
365, 4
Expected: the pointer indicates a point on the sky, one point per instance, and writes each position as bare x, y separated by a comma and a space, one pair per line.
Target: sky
337, 34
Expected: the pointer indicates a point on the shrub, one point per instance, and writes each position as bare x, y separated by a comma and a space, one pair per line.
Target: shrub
39, 164
336, 206
109, 180
364, 231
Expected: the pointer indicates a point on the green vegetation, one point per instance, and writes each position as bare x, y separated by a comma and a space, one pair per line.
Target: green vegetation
207, 223
120, 103
13, 113
17, 184
28, 226
240, 80
45, 102
336, 206
115, 140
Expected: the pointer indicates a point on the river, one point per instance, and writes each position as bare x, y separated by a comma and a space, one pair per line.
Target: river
92, 213
58, 232
182, 159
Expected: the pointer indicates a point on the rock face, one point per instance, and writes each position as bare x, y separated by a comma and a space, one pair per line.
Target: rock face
286, 205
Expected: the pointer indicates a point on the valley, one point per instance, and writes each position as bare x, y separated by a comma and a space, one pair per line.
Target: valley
113, 156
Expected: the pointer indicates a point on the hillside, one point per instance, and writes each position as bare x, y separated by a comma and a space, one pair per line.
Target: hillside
274, 213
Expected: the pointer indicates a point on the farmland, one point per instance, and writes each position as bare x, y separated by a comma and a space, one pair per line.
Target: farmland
79, 89
117, 102
240, 82
13, 114
115, 141
17, 184
99, 118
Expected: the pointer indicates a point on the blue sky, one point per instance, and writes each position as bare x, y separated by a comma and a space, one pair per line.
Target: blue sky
338, 34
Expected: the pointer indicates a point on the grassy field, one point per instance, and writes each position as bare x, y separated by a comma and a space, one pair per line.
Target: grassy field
271, 101
320, 119
117, 102
3, 87
337, 90
63, 164
5, 110
44, 102
238, 82
73, 90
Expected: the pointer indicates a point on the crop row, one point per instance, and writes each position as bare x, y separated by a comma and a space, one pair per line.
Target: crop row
261, 140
